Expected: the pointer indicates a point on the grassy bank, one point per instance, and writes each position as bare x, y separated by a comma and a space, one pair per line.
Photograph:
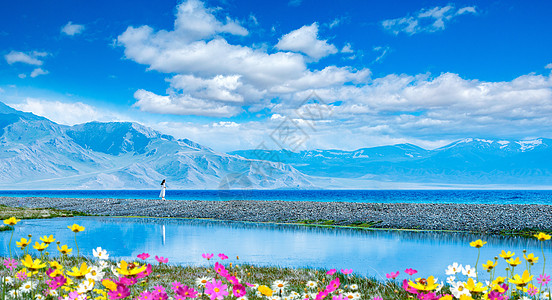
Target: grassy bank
36, 213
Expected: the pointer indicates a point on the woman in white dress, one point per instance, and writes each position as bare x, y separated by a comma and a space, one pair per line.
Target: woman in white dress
163, 188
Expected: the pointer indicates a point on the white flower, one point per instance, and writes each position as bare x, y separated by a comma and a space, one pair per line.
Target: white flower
95, 274
457, 289
8, 280
254, 287
525, 298
453, 269
82, 297
52, 293
469, 271
39, 297
357, 295
100, 253
201, 281
242, 298
27, 287
545, 295
85, 286
274, 298
279, 286
103, 264
14, 293
353, 287
450, 279
258, 294
114, 271
350, 296
311, 284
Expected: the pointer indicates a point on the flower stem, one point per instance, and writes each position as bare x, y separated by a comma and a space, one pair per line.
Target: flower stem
476, 262
9, 245
78, 252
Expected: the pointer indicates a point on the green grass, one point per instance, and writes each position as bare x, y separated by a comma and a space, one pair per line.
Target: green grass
36, 213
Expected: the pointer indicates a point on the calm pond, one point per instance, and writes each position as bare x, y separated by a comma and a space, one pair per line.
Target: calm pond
372, 253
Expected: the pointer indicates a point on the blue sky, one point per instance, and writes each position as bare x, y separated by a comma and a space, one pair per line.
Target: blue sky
229, 74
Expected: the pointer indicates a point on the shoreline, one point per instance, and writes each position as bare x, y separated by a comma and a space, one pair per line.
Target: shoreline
511, 219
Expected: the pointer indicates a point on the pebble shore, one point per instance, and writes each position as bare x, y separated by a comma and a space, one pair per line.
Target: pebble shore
490, 218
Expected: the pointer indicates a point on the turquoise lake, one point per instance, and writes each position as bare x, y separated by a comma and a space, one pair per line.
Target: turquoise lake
367, 252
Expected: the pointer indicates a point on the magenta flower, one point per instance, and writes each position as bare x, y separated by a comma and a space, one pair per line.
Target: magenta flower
543, 279
392, 275
10, 263
120, 293
346, 271
495, 295
232, 279
321, 295
159, 296
408, 288
176, 285
159, 289
161, 259
221, 270
207, 256
145, 295
21, 275
144, 273
238, 290
410, 271
56, 282
333, 285
331, 272
127, 281
216, 290
143, 256
377, 298
532, 291
222, 256
186, 292
428, 296
249, 284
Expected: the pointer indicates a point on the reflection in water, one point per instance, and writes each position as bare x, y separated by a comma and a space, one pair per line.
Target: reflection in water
369, 252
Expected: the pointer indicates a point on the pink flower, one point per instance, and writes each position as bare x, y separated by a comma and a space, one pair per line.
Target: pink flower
239, 290
161, 259
21, 275
145, 295
543, 279
392, 275
73, 295
143, 256
159, 289
176, 285
249, 284
127, 281
56, 282
186, 292
10, 263
331, 272
428, 296
377, 298
120, 293
232, 279
408, 288
222, 256
216, 290
144, 273
321, 295
221, 270
532, 291
333, 285
495, 295
346, 271
410, 271
207, 255
155, 295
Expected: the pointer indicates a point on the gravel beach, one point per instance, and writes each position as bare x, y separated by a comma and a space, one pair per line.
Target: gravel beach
491, 218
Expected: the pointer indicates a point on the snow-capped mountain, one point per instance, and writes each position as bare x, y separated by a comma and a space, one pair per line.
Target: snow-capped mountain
36, 153
468, 161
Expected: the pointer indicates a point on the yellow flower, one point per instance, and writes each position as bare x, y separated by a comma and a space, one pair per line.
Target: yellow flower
24, 271
489, 265
541, 236
79, 272
110, 285
531, 258
23, 243
40, 247
446, 297
474, 288
54, 264
465, 297
513, 262
12, 221
76, 228
48, 239
507, 255
64, 249
124, 269
422, 284
265, 290
477, 244
523, 280
497, 287
32, 265
498, 280
56, 273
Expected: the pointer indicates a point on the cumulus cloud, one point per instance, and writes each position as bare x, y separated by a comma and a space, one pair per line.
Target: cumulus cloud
305, 40
426, 20
31, 58
72, 29
548, 66
37, 72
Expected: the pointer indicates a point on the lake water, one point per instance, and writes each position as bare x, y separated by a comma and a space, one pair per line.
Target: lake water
379, 196
372, 253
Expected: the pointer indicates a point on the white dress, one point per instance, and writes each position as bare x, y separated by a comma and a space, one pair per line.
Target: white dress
162, 194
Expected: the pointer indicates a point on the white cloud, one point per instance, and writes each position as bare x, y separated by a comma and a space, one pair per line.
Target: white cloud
426, 20
31, 58
305, 40
548, 66
22, 76
72, 29
347, 48
2, 90
382, 52
37, 72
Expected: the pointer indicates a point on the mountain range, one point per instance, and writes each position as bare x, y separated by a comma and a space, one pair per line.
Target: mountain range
36, 153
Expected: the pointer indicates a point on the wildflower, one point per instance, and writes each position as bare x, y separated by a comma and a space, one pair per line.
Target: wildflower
350, 296
27, 287
222, 256
523, 280
32, 265
23, 243
238, 290
531, 258
216, 290
353, 287
207, 256
161, 259
410, 271
56, 282
506, 255
130, 269
64, 250
279, 286
331, 272
95, 274
48, 239
453, 269
311, 284
531, 290
221, 270
513, 262
79, 272
392, 275
143, 256
473, 287
11, 221
541, 236
232, 279
422, 284
76, 228
242, 298
477, 244
109, 284
451, 279
54, 264
120, 293
346, 271
145, 295
8, 280
490, 265
202, 281
458, 289
22, 274
103, 264
265, 290
333, 285
85, 286
100, 253
543, 279
40, 247
10, 263
39, 297
469, 271
186, 292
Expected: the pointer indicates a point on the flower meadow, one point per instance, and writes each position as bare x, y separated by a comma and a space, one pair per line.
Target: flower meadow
32, 272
